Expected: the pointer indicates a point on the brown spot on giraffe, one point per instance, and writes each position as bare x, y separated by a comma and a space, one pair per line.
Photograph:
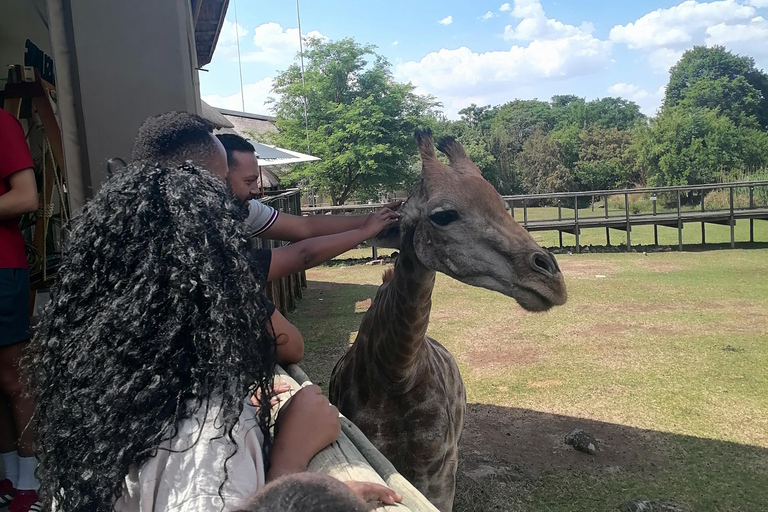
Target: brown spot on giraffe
402, 388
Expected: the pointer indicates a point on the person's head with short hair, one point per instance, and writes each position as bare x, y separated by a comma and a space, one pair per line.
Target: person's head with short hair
155, 316
177, 137
243, 177
305, 492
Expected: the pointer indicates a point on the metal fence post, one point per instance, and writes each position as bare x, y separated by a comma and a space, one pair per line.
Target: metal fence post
751, 221
607, 229
560, 217
703, 224
732, 220
679, 224
576, 222
628, 226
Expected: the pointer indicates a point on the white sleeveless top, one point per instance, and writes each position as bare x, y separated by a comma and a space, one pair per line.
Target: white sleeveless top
185, 477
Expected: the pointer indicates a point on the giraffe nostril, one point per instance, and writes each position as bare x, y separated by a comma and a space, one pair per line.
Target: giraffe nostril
543, 263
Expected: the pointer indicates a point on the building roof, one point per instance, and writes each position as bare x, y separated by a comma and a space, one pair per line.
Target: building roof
246, 115
208, 16
214, 116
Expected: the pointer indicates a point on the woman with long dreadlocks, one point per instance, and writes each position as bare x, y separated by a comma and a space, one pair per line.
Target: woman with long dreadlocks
142, 363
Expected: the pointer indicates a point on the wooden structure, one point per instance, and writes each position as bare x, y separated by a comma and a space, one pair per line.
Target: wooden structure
353, 458
568, 219
674, 219
284, 292
26, 86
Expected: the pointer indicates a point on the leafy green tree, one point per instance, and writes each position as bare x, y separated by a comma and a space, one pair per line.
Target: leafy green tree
360, 120
713, 64
735, 98
541, 168
695, 146
603, 162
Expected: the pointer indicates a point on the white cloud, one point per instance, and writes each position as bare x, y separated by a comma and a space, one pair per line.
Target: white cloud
446, 21
747, 38
649, 102
487, 16
275, 45
680, 24
256, 95
454, 76
395, 43
661, 59
228, 37
505, 8
666, 33
535, 25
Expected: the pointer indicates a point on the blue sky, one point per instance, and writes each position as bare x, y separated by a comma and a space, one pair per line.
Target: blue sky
489, 52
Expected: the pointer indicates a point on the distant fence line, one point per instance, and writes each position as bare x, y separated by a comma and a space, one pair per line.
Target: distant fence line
573, 225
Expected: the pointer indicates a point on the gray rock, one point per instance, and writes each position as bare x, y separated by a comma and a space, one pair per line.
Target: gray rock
582, 441
643, 505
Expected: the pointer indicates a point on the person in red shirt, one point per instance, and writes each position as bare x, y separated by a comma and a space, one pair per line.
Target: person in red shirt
18, 195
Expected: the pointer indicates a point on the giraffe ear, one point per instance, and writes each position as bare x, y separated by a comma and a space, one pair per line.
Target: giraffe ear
387, 239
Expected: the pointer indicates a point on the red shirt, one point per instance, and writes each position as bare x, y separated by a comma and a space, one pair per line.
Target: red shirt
14, 157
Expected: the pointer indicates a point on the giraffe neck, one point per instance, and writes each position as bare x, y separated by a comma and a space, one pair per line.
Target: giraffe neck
403, 317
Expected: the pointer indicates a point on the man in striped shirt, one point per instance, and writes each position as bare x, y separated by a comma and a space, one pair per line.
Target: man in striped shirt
176, 137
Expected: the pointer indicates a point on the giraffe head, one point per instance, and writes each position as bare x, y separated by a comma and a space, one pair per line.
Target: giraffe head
460, 227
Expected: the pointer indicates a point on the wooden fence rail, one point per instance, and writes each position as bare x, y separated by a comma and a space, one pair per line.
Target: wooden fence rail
575, 222
285, 291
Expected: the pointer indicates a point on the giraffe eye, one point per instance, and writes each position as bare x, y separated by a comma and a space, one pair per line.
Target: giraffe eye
444, 217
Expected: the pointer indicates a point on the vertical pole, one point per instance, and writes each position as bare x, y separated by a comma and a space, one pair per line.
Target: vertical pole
703, 225
576, 222
751, 221
560, 217
607, 229
679, 224
655, 227
525, 213
628, 226
301, 54
733, 221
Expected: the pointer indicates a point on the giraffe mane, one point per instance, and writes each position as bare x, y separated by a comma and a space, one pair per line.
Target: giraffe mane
388, 275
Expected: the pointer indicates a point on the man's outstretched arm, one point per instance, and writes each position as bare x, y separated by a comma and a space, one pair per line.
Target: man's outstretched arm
294, 228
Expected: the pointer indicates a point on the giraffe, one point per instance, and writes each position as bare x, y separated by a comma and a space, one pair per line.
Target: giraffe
399, 386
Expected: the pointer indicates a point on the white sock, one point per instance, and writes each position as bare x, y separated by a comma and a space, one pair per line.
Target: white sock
11, 465
27, 479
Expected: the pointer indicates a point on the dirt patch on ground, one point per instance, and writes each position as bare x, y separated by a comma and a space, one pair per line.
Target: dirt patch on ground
531, 442
586, 269
510, 355
657, 265
613, 330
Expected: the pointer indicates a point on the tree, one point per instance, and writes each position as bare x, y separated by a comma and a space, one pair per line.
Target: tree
603, 162
361, 121
613, 113
712, 64
540, 165
693, 146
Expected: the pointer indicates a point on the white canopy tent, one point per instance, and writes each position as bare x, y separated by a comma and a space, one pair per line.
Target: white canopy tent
268, 155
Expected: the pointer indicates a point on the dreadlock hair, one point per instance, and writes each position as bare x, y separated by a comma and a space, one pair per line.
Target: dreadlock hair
173, 138
155, 315
232, 143
302, 492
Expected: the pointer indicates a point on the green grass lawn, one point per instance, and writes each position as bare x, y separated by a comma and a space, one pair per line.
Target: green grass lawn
661, 357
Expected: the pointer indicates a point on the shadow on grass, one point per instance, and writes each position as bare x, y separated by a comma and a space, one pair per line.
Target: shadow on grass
327, 317
515, 459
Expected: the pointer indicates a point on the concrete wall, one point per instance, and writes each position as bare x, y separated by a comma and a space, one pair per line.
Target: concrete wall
118, 62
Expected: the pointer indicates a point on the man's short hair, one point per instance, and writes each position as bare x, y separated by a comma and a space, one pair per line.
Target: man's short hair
232, 143
301, 492
173, 138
